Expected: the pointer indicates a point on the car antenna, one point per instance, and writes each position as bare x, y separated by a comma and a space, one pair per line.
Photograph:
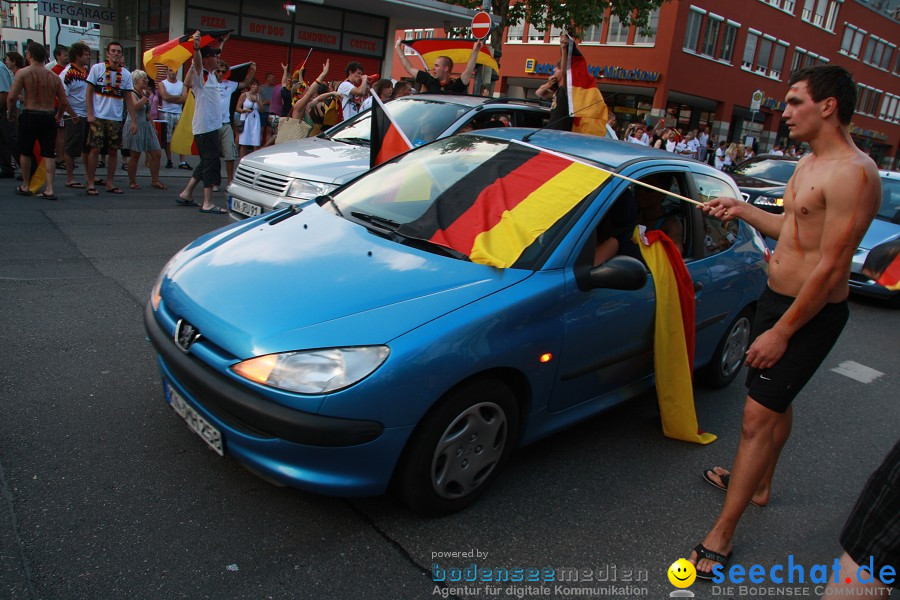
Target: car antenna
527, 136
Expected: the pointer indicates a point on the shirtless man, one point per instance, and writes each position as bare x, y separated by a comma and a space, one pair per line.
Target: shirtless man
39, 120
828, 206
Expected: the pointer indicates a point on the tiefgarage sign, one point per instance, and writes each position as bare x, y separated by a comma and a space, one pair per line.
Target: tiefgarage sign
78, 12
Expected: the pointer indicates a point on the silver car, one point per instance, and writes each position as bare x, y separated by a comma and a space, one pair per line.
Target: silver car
296, 172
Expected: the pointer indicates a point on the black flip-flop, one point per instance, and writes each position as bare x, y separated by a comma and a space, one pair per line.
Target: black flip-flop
114, 190
75, 186
92, 191
215, 210
22, 192
182, 202
46, 196
724, 485
704, 552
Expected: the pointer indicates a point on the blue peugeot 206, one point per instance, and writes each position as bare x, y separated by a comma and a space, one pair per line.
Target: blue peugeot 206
470, 296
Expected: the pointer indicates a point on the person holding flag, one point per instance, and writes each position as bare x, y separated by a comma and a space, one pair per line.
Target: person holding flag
577, 104
38, 123
439, 80
206, 122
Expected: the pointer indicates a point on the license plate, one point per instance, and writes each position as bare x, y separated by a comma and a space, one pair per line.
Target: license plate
199, 425
245, 208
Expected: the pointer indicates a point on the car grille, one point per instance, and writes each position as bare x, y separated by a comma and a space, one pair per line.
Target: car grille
264, 181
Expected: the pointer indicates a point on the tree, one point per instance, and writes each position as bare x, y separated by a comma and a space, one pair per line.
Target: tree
572, 15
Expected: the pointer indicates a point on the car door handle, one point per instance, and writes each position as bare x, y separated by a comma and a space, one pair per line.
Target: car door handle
698, 286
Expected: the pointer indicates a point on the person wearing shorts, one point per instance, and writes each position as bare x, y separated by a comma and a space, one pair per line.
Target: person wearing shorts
107, 84
776, 387
829, 204
174, 94
74, 80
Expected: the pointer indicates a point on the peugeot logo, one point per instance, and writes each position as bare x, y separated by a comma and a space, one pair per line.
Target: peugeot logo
185, 335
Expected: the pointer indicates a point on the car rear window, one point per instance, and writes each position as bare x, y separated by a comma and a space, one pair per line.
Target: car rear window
421, 120
771, 170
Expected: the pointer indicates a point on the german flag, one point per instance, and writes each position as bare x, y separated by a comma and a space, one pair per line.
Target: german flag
506, 203
175, 53
883, 264
38, 172
183, 136
673, 336
586, 104
387, 140
456, 50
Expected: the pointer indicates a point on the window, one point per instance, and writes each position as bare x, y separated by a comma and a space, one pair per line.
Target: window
785, 5
764, 54
514, 32
717, 236
617, 32
867, 99
778, 60
535, 34
727, 48
710, 36
878, 52
805, 58
592, 33
888, 107
554, 34
648, 37
852, 40
692, 33
821, 13
750, 49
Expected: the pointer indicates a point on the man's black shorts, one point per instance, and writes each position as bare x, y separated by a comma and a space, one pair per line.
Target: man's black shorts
776, 387
873, 529
38, 126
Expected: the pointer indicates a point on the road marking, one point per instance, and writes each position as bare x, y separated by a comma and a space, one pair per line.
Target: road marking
856, 371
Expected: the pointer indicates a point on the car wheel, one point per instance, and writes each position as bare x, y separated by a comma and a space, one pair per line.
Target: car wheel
730, 353
458, 448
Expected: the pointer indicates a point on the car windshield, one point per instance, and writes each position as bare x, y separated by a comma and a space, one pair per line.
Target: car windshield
890, 200
421, 120
768, 169
490, 201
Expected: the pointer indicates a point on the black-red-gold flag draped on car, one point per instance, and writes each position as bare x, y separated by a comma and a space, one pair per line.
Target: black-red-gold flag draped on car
175, 53
883, 264
505, 204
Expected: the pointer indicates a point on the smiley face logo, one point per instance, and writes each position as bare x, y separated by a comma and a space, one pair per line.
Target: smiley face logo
682, 573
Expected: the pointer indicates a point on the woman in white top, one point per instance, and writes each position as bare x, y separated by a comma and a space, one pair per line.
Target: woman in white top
248, 106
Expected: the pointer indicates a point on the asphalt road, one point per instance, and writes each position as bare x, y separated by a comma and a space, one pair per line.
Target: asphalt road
106, 494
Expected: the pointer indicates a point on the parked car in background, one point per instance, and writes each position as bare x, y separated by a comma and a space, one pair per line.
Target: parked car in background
337, 348
298, 171
762, 179
885, 228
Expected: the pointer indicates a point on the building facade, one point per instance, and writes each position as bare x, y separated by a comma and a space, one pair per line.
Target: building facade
702, 61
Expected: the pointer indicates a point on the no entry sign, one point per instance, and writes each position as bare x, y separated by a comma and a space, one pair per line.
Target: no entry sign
481, 25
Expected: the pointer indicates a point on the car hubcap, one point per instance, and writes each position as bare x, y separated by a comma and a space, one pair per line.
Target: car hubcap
468, 450
736, 346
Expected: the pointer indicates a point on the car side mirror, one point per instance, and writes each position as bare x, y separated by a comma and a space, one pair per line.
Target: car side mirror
618, 273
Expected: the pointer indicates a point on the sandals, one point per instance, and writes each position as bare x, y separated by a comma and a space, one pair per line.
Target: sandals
134, 186
158, 185
22, 192
46, 196
724, 485
704, 552
75, 185
182, 202
215, 210
92, 191
114, 190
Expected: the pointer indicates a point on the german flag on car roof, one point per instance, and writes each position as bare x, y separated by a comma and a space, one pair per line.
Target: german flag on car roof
505, 204
458, 51
586, 104
175, 53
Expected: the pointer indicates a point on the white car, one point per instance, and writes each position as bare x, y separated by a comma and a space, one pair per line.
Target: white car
297, 172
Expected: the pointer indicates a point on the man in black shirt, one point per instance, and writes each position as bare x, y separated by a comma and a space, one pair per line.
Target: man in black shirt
439, 80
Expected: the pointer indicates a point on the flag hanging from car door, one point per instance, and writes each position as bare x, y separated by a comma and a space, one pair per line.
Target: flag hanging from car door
673, 336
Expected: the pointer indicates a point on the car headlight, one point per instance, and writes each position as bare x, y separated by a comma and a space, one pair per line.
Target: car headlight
769, 201
313, 371
155, 296
306, 190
